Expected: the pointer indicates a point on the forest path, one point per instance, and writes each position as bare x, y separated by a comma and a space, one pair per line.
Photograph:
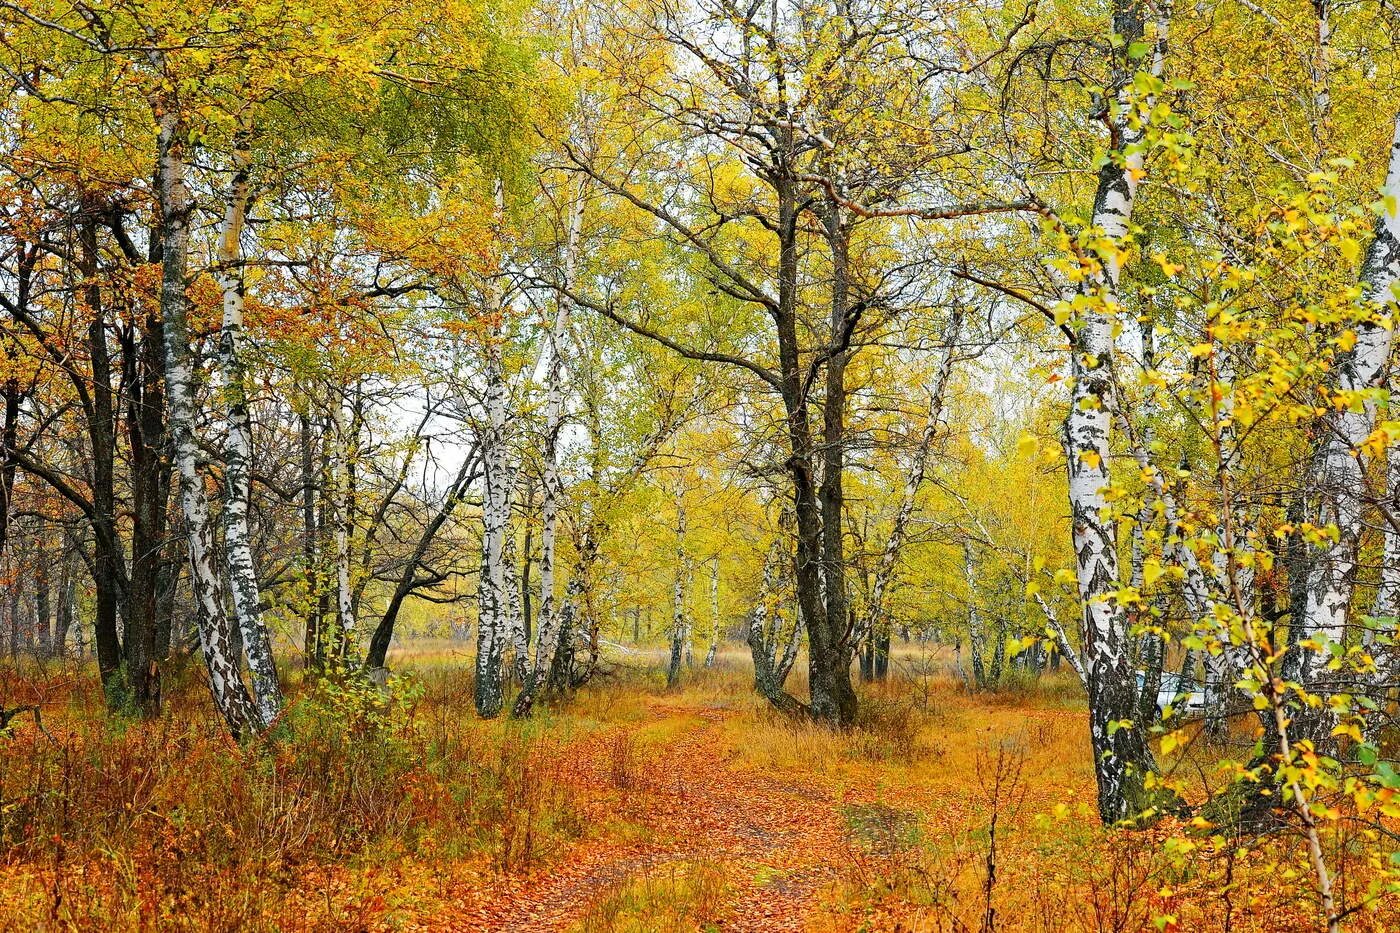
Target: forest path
754, 849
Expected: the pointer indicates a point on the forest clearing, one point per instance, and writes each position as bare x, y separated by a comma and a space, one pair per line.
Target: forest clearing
593, 465
637, 809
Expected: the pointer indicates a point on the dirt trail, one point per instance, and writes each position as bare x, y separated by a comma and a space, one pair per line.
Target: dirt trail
776, 844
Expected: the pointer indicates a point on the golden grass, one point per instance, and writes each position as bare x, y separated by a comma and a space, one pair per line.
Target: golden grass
367, 814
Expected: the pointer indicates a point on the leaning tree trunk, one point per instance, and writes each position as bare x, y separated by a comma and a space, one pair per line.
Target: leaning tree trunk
230, 693
875, 626
238, 457
764, 629
378, 651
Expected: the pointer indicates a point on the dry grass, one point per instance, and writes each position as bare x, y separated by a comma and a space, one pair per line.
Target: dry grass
366, 811
677, 897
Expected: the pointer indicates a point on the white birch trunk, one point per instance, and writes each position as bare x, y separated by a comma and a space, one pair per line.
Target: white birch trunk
679, 629
520, 647
344, 506
1121, 754
1337, 477
230, 693
913, 482
714, 614
548, 623
492, 626
976, 638
238, 455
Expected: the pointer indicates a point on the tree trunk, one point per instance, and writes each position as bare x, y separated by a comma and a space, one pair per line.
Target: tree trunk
833, 697
310, 536
714, 614
229, 692
1337, 474
1122, 758
976, 638
913, 482
143, 366
343, 507
379, 642
515, 619
8, 466
769, 673
106, 548
551, 627
678, 614
492, 609
63, 615
522, 664
43, 592
238, 455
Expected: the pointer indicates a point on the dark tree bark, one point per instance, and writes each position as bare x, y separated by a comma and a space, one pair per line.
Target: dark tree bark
100, 412
143, 361
410, 579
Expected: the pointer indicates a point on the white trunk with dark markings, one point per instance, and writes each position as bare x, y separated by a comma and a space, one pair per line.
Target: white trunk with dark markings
230, 693
1121, 755
714, 614
515, 618
1337, 479
548, 622
344, 505
680, 633
238, 455
492, 608
913, 482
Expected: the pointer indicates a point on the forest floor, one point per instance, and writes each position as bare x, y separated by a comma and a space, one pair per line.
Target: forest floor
632, 808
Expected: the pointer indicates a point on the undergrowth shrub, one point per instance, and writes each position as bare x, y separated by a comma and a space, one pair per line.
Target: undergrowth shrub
121, 824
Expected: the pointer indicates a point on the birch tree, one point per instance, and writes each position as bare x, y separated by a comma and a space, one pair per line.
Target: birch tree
1336, 475
1122, 758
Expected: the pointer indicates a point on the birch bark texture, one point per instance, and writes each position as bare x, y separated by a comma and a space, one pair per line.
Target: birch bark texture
238, 452
492, 609
548, 622
1337, 479
1122, 758
230, 694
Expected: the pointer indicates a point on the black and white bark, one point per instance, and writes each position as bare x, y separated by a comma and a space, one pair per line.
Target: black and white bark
1337, 481
238, 453
1122, 757
680, 635
713, 650
498, 481
230, 694
548, 623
